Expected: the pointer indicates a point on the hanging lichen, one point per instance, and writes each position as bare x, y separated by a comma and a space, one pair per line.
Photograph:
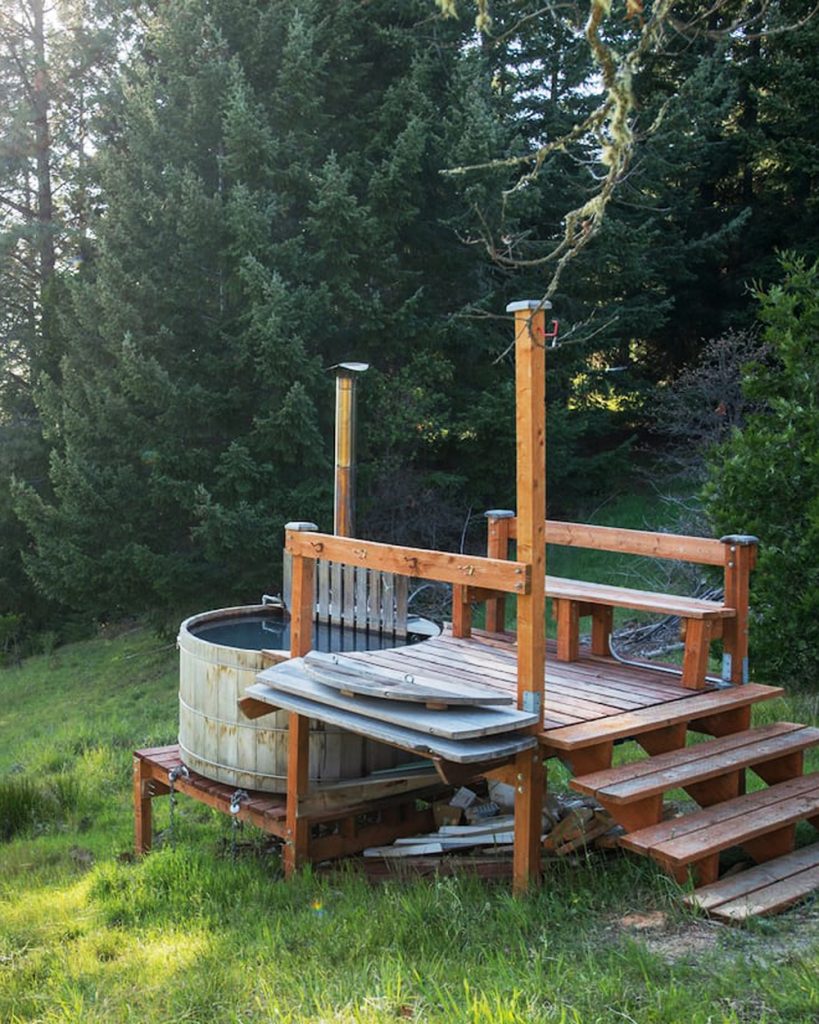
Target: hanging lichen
610, 124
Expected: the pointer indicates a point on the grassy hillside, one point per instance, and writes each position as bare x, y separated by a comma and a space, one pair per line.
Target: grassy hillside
88, 935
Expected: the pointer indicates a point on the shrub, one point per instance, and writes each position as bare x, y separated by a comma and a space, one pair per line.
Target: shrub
764, 480
21, 804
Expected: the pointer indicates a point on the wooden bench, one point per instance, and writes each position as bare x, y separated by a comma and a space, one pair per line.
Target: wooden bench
573, 599
702, 621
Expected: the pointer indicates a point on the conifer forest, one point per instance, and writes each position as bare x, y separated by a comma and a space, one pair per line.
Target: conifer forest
207, 204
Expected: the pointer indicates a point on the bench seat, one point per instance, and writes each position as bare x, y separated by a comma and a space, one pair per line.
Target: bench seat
702, 620
558, 587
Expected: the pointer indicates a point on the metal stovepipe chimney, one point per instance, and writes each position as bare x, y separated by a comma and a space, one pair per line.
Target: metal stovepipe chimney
344, 507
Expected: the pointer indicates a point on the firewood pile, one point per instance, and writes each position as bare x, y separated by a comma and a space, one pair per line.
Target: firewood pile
476, 833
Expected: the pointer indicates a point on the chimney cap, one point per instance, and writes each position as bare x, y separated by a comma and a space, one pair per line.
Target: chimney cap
342, 368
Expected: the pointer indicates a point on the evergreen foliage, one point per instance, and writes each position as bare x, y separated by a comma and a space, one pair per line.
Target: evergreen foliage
55, 68
242, 195
275, 193
765, 479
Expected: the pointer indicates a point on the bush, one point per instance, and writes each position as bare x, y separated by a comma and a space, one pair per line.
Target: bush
21, 805
764, 480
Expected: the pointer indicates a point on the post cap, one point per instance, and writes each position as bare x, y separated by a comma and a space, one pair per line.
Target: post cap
499, 513
513, 307
742, 540
302, 527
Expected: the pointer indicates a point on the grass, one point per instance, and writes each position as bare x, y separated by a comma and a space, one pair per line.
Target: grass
188, 935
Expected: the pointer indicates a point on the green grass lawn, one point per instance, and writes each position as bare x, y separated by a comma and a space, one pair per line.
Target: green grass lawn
188, 935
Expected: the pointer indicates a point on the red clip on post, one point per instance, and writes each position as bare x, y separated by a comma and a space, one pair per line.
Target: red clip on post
551, 335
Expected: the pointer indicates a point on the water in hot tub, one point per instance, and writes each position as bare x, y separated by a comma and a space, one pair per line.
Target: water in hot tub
257, 632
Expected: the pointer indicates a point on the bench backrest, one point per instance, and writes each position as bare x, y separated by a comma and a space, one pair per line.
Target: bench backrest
736, 554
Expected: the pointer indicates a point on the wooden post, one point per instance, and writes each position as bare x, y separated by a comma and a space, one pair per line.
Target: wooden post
297, 844
602, 623
567, 614
143, 827
530, 420
461, 610
698, 636
740, 559
497, 546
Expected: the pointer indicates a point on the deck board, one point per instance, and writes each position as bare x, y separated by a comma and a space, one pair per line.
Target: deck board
587, 690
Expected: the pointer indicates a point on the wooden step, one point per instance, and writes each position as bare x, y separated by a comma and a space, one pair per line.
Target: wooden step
693, 710
764, 889
699, 763
736, 822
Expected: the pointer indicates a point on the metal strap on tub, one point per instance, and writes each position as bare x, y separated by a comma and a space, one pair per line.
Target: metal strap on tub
191, 756
233, 723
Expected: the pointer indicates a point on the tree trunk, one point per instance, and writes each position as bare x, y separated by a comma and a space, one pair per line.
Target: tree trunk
42, 145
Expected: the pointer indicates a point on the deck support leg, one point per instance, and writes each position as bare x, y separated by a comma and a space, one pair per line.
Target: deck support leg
662, 741
497, 546
773, 844
297, 844
701, 872
740, 558
782, 769
697, 648
718, 790
586, 760
461, 611
602, 624
637, 814
530, 779
143, 816
706, 871
297, 841
567, 614
724, 723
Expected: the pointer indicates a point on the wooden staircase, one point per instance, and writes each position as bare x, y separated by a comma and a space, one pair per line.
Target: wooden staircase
712, 773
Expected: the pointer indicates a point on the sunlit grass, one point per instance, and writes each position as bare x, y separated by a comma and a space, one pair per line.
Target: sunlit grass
188, 935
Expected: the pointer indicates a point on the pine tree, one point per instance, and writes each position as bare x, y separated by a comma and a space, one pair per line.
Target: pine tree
54, 62
273, 205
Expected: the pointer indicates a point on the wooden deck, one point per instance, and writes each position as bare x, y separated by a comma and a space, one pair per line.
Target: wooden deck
576, 703
586, 690
590, 704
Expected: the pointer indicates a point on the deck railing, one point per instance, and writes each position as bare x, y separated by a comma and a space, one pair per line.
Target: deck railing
735, 553
474, 577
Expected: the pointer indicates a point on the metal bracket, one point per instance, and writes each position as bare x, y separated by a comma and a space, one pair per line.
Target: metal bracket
532, 702
236, 800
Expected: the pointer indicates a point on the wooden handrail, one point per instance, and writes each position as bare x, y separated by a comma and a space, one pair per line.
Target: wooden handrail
700, 550
469, 570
